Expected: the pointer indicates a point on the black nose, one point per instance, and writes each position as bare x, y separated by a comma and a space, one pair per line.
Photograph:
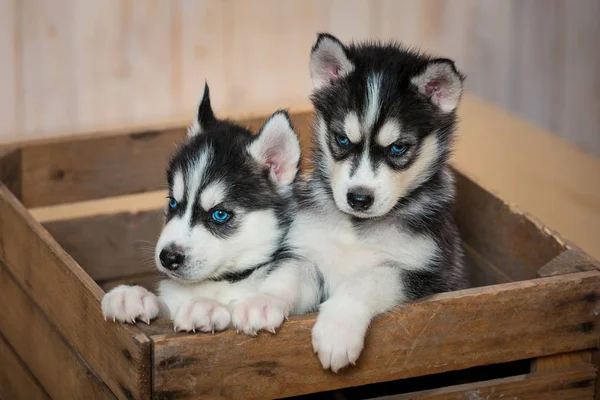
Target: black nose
360, 199
171, 259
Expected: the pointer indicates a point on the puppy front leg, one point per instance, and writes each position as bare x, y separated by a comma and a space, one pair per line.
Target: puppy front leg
339, 332
292, 287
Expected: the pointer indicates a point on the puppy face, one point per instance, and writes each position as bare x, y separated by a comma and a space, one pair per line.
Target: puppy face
226, 195
385, 117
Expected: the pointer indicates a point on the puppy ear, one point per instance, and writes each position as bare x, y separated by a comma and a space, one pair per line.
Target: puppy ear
277, 148
328, 61
441, 83
205, 117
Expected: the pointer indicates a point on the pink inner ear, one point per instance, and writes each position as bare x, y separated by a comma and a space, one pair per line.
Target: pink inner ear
333, 70
274, 164
432, 87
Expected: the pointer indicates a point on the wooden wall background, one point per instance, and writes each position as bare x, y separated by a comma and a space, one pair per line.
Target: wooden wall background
80, 66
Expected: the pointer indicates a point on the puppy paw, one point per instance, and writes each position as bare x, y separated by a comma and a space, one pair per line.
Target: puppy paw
260, 312
201, 314
338, 337
130, 303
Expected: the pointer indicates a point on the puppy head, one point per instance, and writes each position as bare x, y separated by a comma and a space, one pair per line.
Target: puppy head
227, 193
385, 118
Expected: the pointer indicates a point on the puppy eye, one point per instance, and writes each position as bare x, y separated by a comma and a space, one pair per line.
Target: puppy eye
342, 140
398, 149
220, 216
172, 203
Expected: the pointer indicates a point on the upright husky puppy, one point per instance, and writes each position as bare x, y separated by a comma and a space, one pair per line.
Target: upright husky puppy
376, 215
225, 220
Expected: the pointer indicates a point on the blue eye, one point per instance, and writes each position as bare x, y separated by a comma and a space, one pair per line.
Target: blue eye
220, 216
398, 149
172, 203
342, 140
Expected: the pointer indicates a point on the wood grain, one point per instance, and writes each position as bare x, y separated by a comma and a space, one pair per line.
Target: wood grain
119, 354
576, 383
569, 262
531, 319
10, 169
16, 381
536, 58
58, 368
110, 246
501, 234
110, 165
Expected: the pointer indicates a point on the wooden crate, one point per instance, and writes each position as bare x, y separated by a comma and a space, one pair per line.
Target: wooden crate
535, 300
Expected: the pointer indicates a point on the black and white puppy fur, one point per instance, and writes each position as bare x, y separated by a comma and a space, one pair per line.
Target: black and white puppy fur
375, 216
227, 214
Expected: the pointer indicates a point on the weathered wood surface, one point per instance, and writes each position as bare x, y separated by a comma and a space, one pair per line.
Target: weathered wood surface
447, 332
82, 169
149, 280
110, 246
10, 169
501, 234
119, 354
56, 365
569, 262
576, 383
16, 381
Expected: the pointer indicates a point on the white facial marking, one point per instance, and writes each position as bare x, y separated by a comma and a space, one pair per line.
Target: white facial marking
178, 186
371, 112
352, 127
388, 134
212, 195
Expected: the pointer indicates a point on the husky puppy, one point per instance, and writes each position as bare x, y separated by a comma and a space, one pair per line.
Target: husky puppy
375, 217
226, 216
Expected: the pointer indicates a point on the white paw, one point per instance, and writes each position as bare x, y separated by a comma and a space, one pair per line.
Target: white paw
260, 312
201, 314
130, 303
338, 337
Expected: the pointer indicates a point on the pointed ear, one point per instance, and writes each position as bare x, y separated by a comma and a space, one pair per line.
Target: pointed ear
328, 61
277, 148
441, 83
205, 117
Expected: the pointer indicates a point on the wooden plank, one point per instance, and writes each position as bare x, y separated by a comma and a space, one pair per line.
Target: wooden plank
82, 169
148, 280
110, 246
71, 300
561, 361
576, 383
10, 169
39, 345
500, 233
531, 319
16, 381
481, 271
569, 262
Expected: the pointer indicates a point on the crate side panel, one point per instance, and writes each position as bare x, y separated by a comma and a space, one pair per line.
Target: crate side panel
16, 381
54, 363
110, 246
530, 319
71, 300
575, 383
10, 169
76, 169
504, 237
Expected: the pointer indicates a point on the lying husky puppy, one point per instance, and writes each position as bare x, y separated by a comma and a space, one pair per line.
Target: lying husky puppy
375, 217
227, 214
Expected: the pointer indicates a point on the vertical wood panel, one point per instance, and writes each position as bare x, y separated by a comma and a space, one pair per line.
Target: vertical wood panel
9, 66
77, 66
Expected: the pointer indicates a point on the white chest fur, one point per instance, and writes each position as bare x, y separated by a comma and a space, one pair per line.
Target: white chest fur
340, 251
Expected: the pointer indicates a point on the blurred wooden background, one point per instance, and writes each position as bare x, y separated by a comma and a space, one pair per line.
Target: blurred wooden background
81, 66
